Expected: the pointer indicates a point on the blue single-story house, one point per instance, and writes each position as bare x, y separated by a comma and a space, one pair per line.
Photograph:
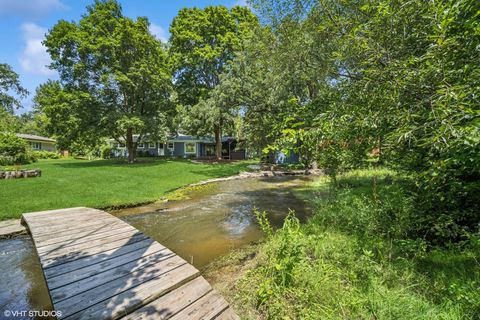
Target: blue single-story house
175, 146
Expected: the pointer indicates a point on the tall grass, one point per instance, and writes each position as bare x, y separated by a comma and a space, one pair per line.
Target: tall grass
355, 259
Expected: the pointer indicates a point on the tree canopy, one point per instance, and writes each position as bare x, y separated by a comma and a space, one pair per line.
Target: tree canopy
117, 71
203, 43
342, 81
10, 91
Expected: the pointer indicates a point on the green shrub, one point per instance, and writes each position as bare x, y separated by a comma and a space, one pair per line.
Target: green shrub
106, 151
357, 258
14, 150
46, 155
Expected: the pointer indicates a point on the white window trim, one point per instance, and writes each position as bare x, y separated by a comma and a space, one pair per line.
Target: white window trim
35, 144
152, 145
173, 146
194, 147
141, 145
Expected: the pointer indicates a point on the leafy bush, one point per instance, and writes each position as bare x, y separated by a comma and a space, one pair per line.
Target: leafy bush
46, 155
106, 151
14, 150
356, 259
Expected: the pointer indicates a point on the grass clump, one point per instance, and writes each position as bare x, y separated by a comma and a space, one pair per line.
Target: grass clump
356, 259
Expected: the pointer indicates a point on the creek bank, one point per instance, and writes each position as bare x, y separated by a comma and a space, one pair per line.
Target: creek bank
259, 174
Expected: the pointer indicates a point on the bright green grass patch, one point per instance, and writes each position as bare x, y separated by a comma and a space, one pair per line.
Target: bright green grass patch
103, 183
354, 259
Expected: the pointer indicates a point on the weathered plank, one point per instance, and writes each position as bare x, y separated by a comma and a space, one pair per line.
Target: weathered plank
207, 307
60, 279
126, 273
227, 314
72, 226
168, 305
103, 257
11, 227
125, 301
53, 260
71, 239
99, 267
68, 247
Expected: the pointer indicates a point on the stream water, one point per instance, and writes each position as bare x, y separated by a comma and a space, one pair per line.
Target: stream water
213, 220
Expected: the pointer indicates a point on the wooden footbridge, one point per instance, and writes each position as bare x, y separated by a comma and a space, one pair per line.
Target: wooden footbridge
98, 267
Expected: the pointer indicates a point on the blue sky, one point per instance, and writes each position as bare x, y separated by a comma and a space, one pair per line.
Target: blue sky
23, 24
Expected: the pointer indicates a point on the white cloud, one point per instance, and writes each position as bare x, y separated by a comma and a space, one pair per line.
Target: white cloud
241, 3
29, 8
34, 58
158, 32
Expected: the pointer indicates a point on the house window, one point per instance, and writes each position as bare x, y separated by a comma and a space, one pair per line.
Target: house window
152, 145
36, 145
171, 146
190, 147
121, 145
141, 145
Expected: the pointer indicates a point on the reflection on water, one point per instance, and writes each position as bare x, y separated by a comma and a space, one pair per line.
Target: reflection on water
22, 286
214, 221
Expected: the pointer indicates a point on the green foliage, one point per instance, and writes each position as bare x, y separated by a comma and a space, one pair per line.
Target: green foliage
106, 151
203, 43
116, 74
264, 223
9, 82
46, 155
338, 81
355, 259
14, 150
33, 123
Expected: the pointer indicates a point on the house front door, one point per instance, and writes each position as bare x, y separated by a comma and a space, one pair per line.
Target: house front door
161, 149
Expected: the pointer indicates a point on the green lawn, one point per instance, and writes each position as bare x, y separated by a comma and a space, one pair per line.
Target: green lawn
102, 183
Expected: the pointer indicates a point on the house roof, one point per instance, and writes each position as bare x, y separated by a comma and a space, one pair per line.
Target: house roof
183, 137
34, 137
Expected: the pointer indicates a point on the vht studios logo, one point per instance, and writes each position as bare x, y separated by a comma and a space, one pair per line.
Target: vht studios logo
31, 313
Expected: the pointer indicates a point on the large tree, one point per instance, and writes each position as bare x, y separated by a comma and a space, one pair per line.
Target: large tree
67, 115
119, 67
385, 74
203, 42
10, 92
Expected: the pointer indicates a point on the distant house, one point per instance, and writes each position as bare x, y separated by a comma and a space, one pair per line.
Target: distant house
177, 146
38, 143
181, 145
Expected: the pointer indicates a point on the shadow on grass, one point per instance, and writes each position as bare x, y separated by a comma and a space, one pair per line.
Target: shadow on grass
220, 170
142, 162
449, 267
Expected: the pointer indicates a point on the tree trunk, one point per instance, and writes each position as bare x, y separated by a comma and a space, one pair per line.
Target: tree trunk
218, 143
131, 147
380, 151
